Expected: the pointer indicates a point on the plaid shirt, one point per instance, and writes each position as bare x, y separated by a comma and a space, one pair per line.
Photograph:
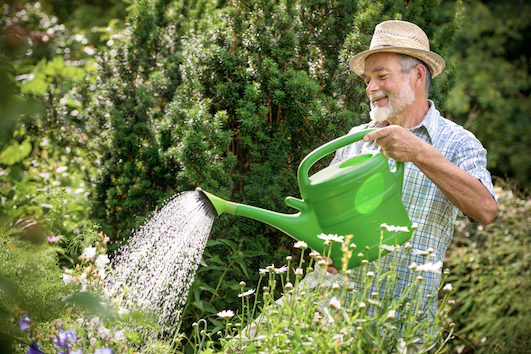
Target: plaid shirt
425, 203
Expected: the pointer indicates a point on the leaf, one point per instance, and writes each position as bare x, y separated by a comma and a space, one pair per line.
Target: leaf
15, 152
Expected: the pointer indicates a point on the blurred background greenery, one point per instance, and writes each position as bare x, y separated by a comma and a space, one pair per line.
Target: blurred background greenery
108, 108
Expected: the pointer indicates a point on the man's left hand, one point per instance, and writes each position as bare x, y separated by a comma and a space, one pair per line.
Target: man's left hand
397, 143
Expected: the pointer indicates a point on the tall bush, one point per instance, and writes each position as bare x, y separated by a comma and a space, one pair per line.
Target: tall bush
490, 271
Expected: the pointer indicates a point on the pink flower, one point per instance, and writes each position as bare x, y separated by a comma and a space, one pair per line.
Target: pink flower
53, 239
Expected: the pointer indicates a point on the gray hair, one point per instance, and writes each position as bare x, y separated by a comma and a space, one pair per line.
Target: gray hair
408, 63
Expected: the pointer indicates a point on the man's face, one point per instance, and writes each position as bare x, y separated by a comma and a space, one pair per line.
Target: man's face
388, 89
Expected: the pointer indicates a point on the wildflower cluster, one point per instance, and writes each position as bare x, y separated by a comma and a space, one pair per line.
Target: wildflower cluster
321, 312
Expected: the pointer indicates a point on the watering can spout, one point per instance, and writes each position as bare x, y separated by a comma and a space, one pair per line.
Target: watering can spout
291, 224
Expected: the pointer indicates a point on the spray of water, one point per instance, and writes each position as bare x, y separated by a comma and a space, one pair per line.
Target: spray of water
155, 270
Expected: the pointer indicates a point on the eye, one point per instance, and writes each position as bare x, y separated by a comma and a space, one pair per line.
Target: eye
382, 77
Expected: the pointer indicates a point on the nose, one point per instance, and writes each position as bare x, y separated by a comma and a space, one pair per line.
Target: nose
372, 86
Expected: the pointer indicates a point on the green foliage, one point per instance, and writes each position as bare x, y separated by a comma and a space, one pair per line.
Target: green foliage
490, 271
492, 97
30, 278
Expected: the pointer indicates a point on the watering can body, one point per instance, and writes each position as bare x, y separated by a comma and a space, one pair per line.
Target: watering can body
353, 197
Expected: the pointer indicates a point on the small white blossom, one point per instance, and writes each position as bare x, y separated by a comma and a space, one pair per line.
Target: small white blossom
388, 248
370, 274
362, 305
420, 253
391, 314
430, 267
336, 286
331, 237
95, 322
246, 293
103, 333
301, 244
122, 311
298, 271
101, 261
67, 278
83, 279
353, 246
93, 341
119, 336
414, 226
289, 285
226, 313
448, 287
281, 270
413, 265
263, 271
335, 303
89, 252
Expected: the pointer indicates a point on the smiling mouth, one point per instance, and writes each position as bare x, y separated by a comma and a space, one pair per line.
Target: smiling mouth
376, 99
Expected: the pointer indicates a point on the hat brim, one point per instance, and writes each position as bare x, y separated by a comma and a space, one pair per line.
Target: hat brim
434, 61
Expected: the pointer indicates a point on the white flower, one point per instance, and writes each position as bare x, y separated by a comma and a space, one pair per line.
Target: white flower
83, 279
93, 341
430, 267
448, 287
335, 303
420, 253
353, 246
67, 278
401, 346
388, 248
119, 336
101, 261
336, 286
122, 311
289, 285
298, 271
95, 322
362, 305
103, 333
89, 252
226, 314
392, 228
68, 271
263, 271
331, 237
281, 270
370, 274
414, 226
391, 314
246, 293
301, 244
413, 265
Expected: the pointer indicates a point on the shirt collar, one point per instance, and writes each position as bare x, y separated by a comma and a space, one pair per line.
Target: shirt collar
430, 122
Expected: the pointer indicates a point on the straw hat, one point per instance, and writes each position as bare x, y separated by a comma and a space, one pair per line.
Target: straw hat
400, 37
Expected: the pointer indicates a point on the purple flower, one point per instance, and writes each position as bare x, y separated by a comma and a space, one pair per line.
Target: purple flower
65, 337
103, 350
79, 351
24, 322
34, 348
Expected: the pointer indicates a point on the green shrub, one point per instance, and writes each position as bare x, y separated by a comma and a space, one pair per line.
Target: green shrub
491, 273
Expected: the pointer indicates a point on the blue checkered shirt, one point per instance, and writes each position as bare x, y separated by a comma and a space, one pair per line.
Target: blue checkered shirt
425, 203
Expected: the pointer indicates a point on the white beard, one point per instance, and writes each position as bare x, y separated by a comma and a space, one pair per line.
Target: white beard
401, 100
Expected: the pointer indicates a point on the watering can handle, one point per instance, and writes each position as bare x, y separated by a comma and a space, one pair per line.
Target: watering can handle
330, 147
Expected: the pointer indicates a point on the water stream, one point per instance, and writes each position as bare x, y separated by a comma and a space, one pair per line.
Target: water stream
155, 269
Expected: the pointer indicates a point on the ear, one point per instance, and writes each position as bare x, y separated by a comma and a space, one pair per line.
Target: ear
419, 76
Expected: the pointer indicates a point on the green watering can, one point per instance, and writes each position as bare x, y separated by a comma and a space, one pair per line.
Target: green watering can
352, 197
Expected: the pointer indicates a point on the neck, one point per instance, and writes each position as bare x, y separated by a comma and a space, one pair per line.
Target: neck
412, 115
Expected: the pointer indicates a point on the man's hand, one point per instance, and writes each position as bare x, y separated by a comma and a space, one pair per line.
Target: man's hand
462, 189
397, 143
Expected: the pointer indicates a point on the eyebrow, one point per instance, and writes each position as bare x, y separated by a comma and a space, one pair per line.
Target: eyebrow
374, 70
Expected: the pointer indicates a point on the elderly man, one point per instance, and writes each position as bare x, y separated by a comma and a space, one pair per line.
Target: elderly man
445, 165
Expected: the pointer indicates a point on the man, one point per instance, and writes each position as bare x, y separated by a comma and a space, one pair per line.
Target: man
445, 165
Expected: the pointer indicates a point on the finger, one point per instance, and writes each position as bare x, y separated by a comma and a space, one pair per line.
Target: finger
376, 134
332, 270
